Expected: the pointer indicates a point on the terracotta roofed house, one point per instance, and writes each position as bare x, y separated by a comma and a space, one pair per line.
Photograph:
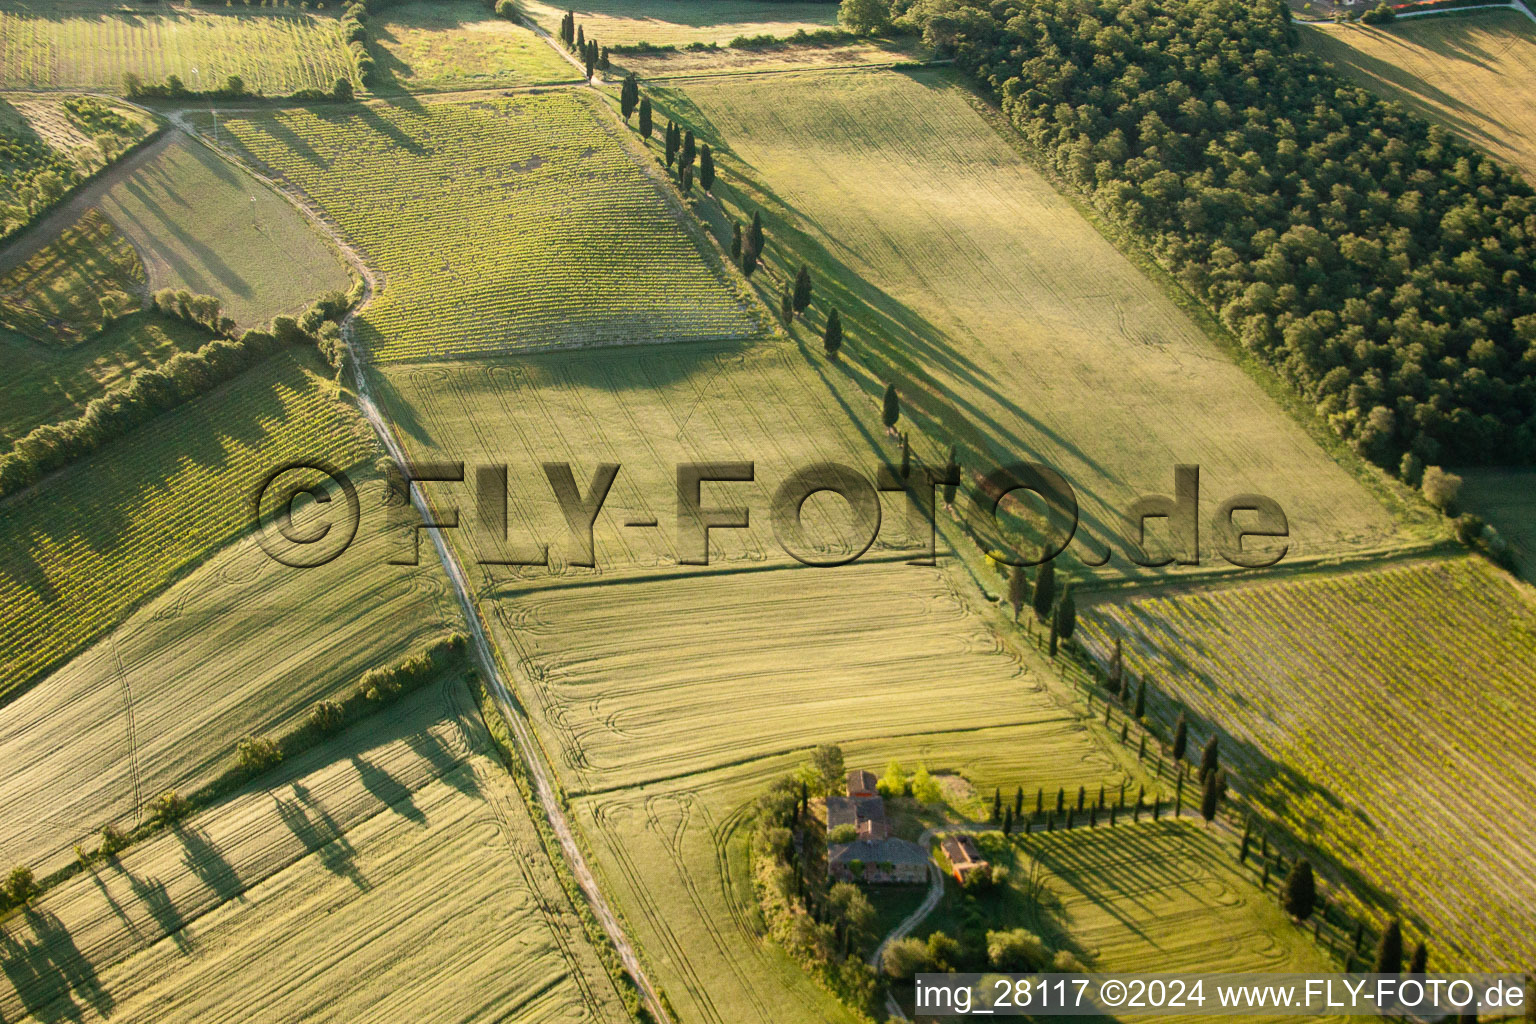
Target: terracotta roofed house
882, 861
865, 814
861, 783
963, 855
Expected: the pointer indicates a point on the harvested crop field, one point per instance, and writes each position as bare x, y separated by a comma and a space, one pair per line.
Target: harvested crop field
91, 44
209, 227
458, 44
1382, 713
89, 543
320, 895
680, 22
1471, 72
242, 646
647, 409
492, 220
963, 274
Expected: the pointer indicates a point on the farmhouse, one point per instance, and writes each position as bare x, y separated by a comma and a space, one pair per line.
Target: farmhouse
878, 861
865, 814
964, 859
861, 783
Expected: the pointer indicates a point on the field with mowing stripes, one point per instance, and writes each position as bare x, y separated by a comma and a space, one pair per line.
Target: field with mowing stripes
458, 44
1007, 317
87, 544
91, 44
1384, 713
1472, 73
364, 881
501, 224
208, 227
680, 22
240, 646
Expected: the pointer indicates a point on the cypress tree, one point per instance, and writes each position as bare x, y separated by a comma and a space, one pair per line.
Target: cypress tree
581, 38
1389, 951
736, 240
629, 96
1007, 821
1061, 799
1082, 797
1054, 636
1210, 797
1180, 738
1101, 796
1141, 700
1016, 586
1018, 802
890, 408
589, 61
1210, 758
997, 803
707, 180
602, 59
1418, 963
802, 289
645, 118
787, 306
832, 337
1045, 591
1066, 612
671, 143
688, 152
755, 234
685, 178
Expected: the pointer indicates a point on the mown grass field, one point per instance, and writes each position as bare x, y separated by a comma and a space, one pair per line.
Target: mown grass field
501, 224
91, 44
206, 226
1383, 714
729, 60
87, 544
1472, 73
680, 22
241, 646
1006, 317
459, 44
45, 384
393, 874
648, 409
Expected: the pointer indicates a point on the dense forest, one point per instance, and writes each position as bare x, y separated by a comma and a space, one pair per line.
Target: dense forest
1380, 264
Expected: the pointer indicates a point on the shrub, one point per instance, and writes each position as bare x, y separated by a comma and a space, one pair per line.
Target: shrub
1441, 489
20, 885
904, 958
112, 841
256, 754
1016, 950
327, 716
169, 807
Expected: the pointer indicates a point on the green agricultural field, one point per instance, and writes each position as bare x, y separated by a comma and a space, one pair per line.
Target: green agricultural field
319, 894
680, 22
730, 60
1507, 499
240, 646
92, 44
1471, 72
206, 226
54, 298
459, 44
88, 544
1139, 898
502, 224
1010, 323
45, 384
1380, 713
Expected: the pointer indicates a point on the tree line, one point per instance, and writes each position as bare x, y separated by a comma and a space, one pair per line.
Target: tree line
1383, 267
150, 391
574, 36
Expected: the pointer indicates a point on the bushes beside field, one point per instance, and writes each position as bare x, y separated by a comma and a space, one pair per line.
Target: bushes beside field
1384, 267
185, 376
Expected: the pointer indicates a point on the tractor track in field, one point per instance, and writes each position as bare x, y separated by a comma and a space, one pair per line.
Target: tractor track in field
522, 736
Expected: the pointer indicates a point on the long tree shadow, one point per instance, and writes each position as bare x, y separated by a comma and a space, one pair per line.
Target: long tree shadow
321, 835
388, 790
49, 972
203, 859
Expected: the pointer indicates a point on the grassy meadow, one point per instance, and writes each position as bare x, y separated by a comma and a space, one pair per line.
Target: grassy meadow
1471, 73
501, 224
1004, 316
208, 227
1381, 713
239, 646
90, 542
55, 296
318, 895
91, 44
680, 22
458, 44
